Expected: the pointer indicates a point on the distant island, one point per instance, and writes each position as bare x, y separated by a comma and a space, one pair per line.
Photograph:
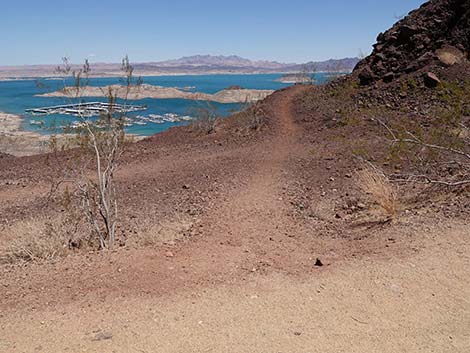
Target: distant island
233, 94
191, 65
295, 78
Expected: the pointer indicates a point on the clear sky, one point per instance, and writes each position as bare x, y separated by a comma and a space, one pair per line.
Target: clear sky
43, 31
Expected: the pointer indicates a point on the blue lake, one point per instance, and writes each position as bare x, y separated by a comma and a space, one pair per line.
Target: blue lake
19, 95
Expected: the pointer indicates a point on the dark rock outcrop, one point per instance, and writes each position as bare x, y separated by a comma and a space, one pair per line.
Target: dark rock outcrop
438, 33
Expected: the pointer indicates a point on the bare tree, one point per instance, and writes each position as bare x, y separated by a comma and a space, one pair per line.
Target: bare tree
307, 73
101, 143
205, 118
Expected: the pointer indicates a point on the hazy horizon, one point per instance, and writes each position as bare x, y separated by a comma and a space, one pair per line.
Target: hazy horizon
152, 31
118, 62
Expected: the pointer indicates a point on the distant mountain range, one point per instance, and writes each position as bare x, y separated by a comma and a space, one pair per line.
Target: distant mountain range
219, 61
197, 64
235, 63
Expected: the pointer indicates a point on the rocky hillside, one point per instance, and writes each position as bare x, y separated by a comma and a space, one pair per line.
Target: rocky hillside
435, 35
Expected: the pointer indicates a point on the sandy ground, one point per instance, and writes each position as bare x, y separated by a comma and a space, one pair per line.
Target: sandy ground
18, 142
414, 304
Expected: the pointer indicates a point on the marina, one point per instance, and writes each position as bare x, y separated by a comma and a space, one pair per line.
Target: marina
88, 109
45, 115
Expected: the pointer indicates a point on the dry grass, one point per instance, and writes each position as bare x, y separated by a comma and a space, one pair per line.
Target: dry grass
376, 184
33, 241
165, 232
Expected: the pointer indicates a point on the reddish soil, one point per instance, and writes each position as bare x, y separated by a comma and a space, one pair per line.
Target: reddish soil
260, 204
259, 238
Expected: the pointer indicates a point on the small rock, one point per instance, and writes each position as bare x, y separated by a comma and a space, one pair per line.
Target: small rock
361, 205
169, 254
186, 186
318, 263
102, 335
431, 80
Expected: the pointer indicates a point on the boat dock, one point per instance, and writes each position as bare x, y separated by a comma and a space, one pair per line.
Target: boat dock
88, 109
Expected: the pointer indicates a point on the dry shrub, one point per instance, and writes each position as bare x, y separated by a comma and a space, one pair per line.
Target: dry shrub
376, 184
165, 232
205, 119
256, 116
33, 241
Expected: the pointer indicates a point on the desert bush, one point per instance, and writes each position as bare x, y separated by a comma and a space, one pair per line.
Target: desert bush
307, 74
252, 115
378, 186
257, 117
437, 150
205, 118
439, 155
100, 145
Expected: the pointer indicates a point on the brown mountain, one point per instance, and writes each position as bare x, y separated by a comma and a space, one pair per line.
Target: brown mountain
435, 35
198, 64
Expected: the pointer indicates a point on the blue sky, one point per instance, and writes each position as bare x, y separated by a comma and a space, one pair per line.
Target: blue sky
41, 32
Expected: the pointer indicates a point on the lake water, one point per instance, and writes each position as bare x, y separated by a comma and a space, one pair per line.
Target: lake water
17, 96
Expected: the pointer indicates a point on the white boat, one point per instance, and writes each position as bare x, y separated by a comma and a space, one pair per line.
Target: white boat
36, 122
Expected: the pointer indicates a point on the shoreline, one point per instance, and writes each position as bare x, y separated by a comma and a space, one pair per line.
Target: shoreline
239, 95
18, 142
136, 74
152, 74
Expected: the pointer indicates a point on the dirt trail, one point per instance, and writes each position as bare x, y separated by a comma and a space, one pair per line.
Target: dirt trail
256, 207
238, 230
247, 282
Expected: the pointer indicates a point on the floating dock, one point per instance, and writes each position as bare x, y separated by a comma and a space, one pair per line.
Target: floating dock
88, 109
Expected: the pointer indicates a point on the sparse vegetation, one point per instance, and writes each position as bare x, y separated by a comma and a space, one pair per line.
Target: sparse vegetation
100, 144
257, 117
252, 115
164, 232
307, 75
378, 186
205, 118
34, 241
438, 150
